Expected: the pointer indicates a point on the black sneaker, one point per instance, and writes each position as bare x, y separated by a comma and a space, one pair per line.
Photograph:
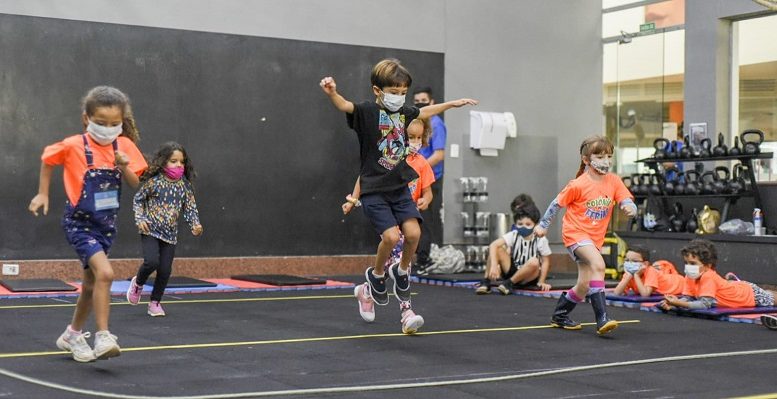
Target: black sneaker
506, 288
769, 321
484, 287
377, 287
401, 283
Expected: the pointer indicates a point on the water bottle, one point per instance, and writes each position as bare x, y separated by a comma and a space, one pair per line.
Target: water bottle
758, 221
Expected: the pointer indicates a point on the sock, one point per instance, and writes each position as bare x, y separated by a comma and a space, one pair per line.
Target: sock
376, 275
573, 297
401, 271
72, 333
595, 286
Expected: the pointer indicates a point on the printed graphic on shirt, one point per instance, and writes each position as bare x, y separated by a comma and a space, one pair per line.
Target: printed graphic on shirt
392, 142
413, 186
598, 209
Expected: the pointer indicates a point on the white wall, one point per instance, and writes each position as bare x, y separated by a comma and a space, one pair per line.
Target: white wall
540, 59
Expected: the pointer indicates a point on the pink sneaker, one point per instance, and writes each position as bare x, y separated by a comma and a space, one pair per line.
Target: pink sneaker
155, 309
366, 306
411, 322
133, 292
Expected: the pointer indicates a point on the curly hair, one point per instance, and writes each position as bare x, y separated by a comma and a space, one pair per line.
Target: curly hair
160, 158
702, 249
107, 96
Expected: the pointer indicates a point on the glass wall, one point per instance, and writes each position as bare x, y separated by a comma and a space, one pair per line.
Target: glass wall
643, 78
754, 99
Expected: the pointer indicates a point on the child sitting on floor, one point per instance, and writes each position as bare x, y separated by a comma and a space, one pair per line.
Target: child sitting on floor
642, 278
705, 288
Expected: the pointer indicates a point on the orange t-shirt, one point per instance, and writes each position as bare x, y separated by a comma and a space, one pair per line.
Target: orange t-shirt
425, 175
729, 294
589, 206
661, 282
70, 153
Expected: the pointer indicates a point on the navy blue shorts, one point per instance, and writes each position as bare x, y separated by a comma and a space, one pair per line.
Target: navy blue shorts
87, 240
389, 209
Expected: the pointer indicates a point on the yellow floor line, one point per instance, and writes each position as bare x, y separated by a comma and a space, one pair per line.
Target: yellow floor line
304, 340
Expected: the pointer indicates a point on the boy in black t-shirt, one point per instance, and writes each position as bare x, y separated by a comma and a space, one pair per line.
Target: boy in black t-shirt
384, 174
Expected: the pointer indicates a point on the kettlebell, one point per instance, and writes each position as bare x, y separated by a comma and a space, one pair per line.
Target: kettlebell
678, 219
686, 152
737, 183
691, 182
752, 147
627, 182
692, 223
672, 151
660, 144
655, 185
679, 183
707, 180
705, 152
735, 150
636, 184
720, 150
669, 183
720, 182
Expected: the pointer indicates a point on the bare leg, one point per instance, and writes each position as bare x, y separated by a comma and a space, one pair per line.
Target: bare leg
84, 302
528, 272
589, 267
412, 232
388, 241
101, 298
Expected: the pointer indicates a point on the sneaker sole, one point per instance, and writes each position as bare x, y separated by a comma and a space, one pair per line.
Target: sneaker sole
375, 300
503, 290
112, 352
397, 290
132, 284
607, 327
769, 321
156, 314
483, 292
62, 345
413, 325
577, 327
370, 316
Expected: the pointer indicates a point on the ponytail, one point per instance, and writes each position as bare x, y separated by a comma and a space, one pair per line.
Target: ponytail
581, 170
128, 127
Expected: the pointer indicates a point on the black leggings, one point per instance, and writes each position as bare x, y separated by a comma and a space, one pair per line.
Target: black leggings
157, 256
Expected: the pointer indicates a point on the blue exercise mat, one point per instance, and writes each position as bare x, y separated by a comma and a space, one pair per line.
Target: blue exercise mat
634, 298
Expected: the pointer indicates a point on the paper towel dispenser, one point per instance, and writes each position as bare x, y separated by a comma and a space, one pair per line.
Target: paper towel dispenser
488, 131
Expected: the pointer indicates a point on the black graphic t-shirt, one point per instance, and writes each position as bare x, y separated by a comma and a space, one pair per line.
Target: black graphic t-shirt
384, 146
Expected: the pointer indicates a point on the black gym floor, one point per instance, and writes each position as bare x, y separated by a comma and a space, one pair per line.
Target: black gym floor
314, 344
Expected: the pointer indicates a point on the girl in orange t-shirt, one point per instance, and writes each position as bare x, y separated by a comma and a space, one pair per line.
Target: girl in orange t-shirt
95, 163
705, 288
589, 200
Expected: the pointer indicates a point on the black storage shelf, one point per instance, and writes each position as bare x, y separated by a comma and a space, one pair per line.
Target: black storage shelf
746, 194
762, 155
668, 235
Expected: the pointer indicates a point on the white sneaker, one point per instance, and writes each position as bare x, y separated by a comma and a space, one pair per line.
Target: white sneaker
76, 345
105, 345
411, 322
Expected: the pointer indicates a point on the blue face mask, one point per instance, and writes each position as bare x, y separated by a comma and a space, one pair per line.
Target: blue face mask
523, 231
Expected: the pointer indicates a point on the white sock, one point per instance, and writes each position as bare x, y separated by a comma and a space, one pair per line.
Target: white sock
401, 271
378, 275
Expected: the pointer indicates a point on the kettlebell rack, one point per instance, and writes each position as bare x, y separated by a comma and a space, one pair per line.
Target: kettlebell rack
730, 198
475, 223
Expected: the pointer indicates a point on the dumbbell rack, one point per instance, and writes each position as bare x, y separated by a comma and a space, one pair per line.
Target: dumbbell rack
475, 231
745, 159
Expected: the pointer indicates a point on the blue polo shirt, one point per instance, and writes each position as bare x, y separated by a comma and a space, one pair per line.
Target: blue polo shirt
437, 142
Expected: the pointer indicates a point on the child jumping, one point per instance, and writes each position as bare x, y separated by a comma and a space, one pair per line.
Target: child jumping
420, 190
165, 194
589, 200
384, 175
95, 163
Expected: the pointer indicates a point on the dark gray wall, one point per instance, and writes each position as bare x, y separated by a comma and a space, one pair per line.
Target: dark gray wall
275, 158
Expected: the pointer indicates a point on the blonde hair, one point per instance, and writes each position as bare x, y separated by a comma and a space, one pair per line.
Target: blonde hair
107, 96
426, 134
390, 73
593, 145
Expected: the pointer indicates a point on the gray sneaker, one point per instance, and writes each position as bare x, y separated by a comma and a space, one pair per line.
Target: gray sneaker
105, 345
77, 346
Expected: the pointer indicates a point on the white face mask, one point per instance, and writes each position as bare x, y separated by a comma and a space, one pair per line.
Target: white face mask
393, 102
631, 267
414, 148
692, 271
601, 166
103, 135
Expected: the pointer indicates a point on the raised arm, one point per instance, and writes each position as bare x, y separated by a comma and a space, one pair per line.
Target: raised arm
42, 198
435, 109
329, 87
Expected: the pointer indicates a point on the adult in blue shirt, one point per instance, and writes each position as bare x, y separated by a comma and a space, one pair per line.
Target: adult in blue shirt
431, 228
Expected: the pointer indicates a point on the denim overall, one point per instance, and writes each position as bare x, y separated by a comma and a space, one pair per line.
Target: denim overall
90, 225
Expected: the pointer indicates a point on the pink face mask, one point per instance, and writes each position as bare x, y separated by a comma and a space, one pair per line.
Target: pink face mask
175, 172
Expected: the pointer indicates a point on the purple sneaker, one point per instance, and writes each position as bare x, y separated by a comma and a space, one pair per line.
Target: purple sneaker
155, 309
133, 292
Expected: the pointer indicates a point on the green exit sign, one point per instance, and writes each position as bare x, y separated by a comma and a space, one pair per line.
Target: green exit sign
647, 27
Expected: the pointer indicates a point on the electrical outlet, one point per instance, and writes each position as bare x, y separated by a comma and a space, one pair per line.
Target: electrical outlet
10, 270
